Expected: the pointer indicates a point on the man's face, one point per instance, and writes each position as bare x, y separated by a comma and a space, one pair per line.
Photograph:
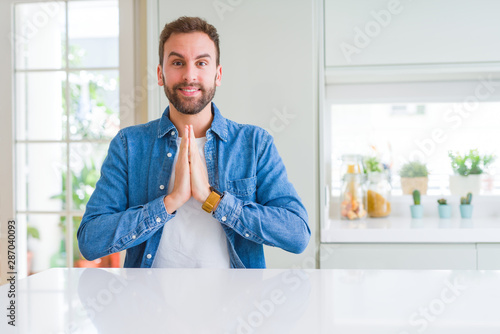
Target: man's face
189, 72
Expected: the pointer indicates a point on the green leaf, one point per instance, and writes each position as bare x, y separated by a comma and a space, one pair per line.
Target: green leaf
471, 163
373, 165
414, 169
33, 232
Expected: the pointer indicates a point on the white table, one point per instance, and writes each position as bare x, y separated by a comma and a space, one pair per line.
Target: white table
256, 301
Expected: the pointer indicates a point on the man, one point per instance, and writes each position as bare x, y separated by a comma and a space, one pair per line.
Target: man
192, 189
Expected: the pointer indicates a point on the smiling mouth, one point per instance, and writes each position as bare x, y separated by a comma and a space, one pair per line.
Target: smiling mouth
189, 91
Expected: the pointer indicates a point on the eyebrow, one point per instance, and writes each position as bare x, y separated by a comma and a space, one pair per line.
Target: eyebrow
203, 55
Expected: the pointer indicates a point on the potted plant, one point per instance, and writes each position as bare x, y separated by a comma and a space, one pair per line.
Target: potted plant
33, 233
466, 206
417, 210
414, 175
444, 209
373, 165
467, 169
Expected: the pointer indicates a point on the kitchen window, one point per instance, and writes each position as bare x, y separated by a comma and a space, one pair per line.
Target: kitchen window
68, 61
405, 121
396, 133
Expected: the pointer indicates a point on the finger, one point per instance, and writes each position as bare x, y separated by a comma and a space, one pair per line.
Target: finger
191, 131
192, 140
185, 137
186, 134
193, 147
184, 147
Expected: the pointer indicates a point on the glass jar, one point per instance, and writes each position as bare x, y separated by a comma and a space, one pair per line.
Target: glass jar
378, 195
352, 197
351, 164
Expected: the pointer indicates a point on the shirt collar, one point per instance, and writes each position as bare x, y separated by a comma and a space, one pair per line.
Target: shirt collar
219, 123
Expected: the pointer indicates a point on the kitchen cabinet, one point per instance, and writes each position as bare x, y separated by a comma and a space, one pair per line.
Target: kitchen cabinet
381, 32
398, 256
404, 243
488, 256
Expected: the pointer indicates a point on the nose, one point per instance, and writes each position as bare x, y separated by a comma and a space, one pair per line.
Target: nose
190, 73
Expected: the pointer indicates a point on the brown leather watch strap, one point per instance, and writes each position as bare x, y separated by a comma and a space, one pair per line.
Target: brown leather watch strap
212, 200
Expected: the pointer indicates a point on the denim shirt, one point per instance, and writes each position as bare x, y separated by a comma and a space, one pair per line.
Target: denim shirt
259, 207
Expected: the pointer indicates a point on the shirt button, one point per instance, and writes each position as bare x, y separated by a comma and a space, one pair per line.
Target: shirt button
172, 133
247, 235
158, 219
224, 218
169, 154
148, 256
162, 187
133, 237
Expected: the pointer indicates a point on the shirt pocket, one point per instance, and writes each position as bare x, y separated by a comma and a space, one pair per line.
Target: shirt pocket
242, 187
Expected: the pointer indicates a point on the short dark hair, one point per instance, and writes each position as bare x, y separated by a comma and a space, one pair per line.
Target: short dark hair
186, 24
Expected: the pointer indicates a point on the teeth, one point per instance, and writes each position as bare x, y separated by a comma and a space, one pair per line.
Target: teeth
190, 90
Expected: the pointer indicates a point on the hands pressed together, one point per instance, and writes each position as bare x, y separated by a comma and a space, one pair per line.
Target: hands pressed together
191, 178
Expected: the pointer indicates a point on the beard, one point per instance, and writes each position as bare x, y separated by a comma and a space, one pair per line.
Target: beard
189, 105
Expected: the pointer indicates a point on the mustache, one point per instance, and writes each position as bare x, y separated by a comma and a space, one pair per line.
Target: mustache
200, 87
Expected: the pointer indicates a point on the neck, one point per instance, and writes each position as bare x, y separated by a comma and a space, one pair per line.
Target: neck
201, 121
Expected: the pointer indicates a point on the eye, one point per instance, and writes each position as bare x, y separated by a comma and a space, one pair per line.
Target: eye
177, 63
202, 63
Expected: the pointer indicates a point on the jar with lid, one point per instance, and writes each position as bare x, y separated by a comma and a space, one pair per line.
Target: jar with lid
352, 197
353, 194
351, 164
378, 194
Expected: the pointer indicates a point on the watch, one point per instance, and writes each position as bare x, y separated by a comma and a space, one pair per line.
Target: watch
212, 200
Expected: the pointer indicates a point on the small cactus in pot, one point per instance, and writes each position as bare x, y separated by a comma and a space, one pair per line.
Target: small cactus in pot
466, 200
466, 206
444, 209
417, 210
442, 201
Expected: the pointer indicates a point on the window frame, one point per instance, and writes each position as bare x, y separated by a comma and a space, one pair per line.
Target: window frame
127, 93
348, 81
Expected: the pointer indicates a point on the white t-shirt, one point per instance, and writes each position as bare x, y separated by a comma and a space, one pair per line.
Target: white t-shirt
193, 238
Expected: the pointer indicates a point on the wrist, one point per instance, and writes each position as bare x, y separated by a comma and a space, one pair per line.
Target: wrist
171, 203
204, 193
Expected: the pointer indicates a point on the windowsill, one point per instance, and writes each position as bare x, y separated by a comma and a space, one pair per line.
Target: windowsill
407, 230
399, 227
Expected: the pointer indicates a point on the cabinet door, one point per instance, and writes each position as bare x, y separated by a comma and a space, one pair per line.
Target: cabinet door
268, 57
488, 256
398, 256
381, 32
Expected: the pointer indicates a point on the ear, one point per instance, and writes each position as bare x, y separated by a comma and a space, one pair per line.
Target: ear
159, 74
218, 76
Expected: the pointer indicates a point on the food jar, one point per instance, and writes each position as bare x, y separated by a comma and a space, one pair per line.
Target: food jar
378, 194
352, 197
